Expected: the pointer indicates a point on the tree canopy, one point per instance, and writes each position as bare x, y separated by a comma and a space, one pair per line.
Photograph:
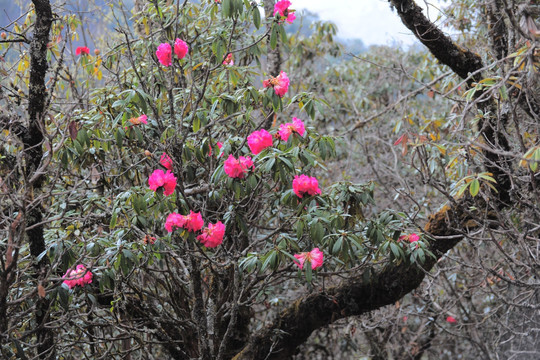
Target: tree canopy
223, 180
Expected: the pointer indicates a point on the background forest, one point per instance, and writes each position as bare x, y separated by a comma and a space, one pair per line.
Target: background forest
228, 180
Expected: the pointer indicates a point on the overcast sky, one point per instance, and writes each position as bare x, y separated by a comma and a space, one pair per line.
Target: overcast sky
370, 20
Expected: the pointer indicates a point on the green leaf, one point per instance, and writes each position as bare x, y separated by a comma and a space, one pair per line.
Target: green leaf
474, 187
282, 33
196, 124
395, 250
119, 135
269, 261
256, 17
309, 272
114, 217
274, 36
299, 229
317, 232
226, 8
337, 246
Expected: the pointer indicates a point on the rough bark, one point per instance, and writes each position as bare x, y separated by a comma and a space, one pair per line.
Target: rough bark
462, 61
273, 61
33, 152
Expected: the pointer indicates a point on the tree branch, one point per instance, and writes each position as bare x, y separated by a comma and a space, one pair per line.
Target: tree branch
461, 61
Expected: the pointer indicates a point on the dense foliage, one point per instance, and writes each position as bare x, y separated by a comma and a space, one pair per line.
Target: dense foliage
164, 196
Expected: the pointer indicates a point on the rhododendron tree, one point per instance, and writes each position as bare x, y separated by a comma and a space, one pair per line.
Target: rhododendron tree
86, 142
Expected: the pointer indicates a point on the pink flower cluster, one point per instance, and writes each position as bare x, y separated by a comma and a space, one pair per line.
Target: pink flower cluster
411, 237
279, 83
78, 276
315, 257
82, 50
211, 236
282, 8
192, 222
229, 60
238, 168
166, 161
304, 184
297, 126
159, 179
164, 51
143, 119
259, 140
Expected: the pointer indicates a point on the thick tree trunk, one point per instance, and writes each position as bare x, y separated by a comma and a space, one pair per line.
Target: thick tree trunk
33, 141
273, 61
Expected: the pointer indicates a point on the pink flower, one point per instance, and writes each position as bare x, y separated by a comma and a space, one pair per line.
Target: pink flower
164, 54
279, 83
166, 161
411, 237
451, 320
82, 50
229, 60
315, 257
212, 236
80, 276
180, 48
161, 179
259, 140
193, 221
174, 220
282, 8
139, 120
237, 168
285, 130
304, 184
